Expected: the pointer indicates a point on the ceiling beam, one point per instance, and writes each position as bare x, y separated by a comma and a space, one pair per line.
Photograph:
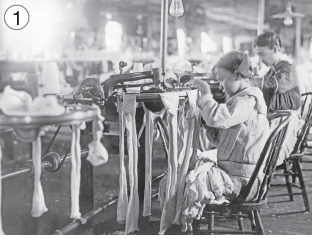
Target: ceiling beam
232, 20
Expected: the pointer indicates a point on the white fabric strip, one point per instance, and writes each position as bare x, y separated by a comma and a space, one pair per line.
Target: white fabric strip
149, 118
1, 228
75, 170
123, 197
193, 122
38, 204
129, 107
170, 101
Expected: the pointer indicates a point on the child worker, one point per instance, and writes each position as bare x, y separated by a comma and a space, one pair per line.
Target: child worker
280, 87
239, 128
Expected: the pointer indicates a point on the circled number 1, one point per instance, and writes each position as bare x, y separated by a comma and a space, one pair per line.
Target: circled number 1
17, 16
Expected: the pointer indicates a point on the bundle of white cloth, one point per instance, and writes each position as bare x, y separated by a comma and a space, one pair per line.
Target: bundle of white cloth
205, 184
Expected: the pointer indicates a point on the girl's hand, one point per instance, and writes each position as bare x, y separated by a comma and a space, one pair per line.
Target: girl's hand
201, 85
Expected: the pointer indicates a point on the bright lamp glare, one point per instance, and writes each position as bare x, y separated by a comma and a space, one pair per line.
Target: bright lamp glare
226, 44
181, 39
113, 35
40, 33
207, 45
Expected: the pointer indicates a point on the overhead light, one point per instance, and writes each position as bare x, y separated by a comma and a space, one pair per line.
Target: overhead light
288, 15
288, 21
177, 8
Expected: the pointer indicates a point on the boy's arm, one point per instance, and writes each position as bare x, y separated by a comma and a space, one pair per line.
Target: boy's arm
282, 80
212, 134
287, 79
223, 115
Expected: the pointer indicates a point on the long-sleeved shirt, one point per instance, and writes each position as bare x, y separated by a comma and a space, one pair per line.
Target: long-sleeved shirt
239, 128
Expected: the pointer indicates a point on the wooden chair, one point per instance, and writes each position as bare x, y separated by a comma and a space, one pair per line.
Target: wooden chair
306, 112
295, 159
240, 208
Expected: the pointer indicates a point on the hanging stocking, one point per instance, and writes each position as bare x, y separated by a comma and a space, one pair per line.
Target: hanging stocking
97, 153
1, 229
75, 170
38, 204
170, 101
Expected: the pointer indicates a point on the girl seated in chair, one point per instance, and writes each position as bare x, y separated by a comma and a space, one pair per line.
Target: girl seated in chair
239, 128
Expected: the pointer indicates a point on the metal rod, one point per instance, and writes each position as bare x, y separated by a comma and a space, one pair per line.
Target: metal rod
261, 17
76, 223
284, 194
297, 39
163, 45
44, 165
227, 232
9, 175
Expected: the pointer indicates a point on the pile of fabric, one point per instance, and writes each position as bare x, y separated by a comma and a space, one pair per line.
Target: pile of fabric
206, 184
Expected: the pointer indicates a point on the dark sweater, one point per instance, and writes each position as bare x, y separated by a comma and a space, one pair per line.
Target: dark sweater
287, 95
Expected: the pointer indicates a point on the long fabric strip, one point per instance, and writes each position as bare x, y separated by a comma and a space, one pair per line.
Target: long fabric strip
182, 131
181, 143
38, 204
129, 107
128, 210
170, 101
149, 130
1, 228
75, 170
193, 122
123, 197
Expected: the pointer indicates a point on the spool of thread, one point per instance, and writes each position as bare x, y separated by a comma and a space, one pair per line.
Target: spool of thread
157, 72
50, 78
137, 67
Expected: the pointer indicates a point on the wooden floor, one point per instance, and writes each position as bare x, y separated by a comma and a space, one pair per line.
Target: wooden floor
282, 217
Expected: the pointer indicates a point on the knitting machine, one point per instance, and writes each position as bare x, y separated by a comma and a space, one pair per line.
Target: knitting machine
105, 94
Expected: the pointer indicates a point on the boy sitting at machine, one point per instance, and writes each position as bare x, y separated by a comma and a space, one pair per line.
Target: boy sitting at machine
239, 128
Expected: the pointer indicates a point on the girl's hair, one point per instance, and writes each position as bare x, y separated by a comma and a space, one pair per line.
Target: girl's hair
235, 62
270, 39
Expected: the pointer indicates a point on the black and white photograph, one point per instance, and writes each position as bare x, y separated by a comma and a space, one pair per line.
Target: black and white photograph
156, 117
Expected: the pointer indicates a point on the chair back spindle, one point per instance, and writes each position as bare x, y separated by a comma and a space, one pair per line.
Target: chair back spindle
302, 137
268, 156
305, 98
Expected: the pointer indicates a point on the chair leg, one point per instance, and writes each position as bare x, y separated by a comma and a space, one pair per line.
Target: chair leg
259, 226
287, 181
240, 222
196, 227
252, 220
303, 188
295, 171
211, 221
